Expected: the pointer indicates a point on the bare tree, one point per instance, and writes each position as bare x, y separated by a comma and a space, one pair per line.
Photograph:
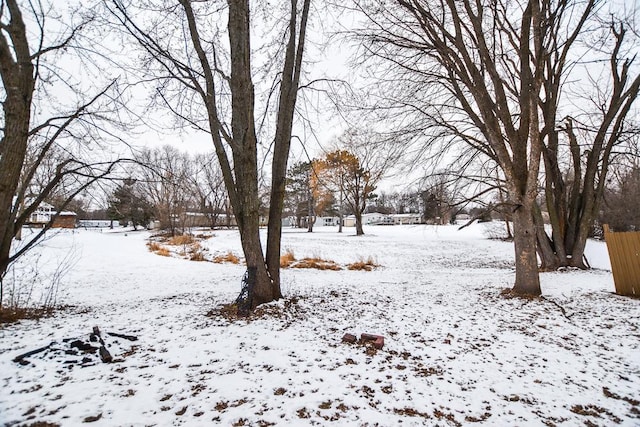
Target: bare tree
300, 193
42, 138
621, 202
355, 170
165, 177
472, 71
199, 68
207, 184
579, 147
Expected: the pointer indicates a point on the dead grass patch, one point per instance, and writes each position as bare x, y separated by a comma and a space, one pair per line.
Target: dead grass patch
197, 253
163, 252
181, 240
197, 256
363, 265
12, 314
287, 259
154, 246
317, 263
158, 249
229, 257
203, 236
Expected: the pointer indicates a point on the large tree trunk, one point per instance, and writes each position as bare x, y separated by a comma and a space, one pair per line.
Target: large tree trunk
16, 70
263, 289
524, 239
244, 194
284, 125
359, 229
310, 214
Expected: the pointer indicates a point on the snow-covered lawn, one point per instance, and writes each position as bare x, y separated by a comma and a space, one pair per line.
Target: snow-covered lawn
456, 352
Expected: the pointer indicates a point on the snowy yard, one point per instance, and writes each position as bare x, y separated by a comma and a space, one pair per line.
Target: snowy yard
456, 352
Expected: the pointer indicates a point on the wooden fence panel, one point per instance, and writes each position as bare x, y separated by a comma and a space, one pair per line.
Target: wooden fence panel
624, 253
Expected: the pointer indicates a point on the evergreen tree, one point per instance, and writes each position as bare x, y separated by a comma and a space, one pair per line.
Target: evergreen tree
127, 204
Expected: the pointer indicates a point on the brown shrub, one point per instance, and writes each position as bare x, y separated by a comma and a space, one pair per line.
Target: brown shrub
158, 249
363, 265
287, 259
196, 252
317, 263
228, 257
197, 256
154, 246
184, 239
203, 236
163, 251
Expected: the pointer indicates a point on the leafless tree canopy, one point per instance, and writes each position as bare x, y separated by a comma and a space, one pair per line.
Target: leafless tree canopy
204, 71
471, 71
51, 119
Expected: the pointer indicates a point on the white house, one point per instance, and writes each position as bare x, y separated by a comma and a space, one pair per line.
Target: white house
349, 221
43, 214
327, 221
373, 218
407, 218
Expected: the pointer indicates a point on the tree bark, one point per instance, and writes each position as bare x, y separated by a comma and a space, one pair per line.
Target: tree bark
359, 229
17, 72
527, 277
282, 142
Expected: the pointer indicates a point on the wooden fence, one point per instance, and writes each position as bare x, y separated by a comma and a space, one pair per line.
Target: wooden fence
624, 253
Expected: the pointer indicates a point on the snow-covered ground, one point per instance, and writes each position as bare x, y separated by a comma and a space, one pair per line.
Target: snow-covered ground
456, 352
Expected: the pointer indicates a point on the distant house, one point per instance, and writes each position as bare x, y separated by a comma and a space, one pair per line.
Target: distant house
349, 221
98, 223
289, 221
42, 214
327, 221
376, 218
407, 218
65, 220
46, 212
373, 218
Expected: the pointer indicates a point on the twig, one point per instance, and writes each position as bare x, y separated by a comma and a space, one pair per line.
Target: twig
564, 312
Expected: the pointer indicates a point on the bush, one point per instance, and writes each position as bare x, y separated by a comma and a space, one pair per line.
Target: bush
158, 249
228, 257
182, 240
197, 256
287, 259
317, 263
367, 265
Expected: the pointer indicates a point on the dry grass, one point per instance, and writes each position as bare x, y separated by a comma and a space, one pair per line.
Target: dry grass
197, 256
163, 252
228, 257
363, 265
287, 259
182, 240
154, 246
204, 236
192, 249
196, 252
317, 263
158, 249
